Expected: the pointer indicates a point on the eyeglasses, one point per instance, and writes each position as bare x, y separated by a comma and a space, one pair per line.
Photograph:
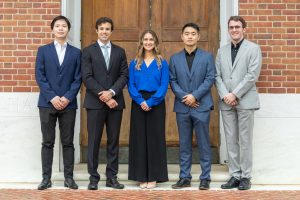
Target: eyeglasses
234, 27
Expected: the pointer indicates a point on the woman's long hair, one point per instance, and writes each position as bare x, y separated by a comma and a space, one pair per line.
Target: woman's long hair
141, 51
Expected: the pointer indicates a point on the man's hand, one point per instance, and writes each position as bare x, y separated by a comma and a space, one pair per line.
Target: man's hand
196, 104
230, 99
111, 103
58, 105
189, 100
64, 101
105, 95
144, 106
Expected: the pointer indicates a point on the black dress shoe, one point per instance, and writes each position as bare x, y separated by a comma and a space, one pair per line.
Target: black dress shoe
93, 185
245, 184
182, 183
204, 184
114, 183
46, 183
70, 183
232, 183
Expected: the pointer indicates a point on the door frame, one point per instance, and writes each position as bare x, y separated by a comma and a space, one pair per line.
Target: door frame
70, 9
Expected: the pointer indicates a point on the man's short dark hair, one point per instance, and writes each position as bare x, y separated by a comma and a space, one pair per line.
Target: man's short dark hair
60, 17
191, 24
103, 20
236, 19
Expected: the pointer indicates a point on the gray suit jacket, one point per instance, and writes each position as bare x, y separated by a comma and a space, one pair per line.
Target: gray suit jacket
197, 82
239, 78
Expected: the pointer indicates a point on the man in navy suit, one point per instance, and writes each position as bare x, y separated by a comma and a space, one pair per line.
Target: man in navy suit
58, 76
105, 74
192, 74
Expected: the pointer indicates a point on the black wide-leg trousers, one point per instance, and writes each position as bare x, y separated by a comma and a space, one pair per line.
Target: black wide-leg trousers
147, 144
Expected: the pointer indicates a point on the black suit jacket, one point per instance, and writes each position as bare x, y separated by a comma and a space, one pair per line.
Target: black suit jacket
97, 78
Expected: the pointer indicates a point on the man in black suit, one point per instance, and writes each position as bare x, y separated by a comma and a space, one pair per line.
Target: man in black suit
104, 73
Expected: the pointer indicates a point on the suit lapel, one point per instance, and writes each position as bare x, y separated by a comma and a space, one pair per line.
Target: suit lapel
195, 61
227, 53
184, 63
67, 56
242, 50
99, 55
112, 55
54, 54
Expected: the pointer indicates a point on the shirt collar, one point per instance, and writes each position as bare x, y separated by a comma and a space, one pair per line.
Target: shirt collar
101, 44
57, 43
192, 53
237, 45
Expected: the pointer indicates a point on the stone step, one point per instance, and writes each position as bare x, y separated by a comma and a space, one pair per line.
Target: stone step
219, 173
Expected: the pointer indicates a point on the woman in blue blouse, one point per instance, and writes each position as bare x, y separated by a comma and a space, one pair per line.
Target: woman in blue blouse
147, 86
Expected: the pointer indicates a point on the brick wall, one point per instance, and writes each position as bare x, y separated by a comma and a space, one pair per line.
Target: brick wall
275, 26
24, 26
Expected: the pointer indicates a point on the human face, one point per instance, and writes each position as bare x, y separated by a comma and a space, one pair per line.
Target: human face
60, 29
236, 31
104, 32
148, 42
190, 36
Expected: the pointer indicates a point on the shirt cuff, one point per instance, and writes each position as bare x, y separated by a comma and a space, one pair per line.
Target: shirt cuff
113, 92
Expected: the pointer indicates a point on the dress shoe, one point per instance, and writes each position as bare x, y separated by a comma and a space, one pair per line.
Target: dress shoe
232, 183
245, 184
46, 183
70, 183
93, 186
204, 184
182, 183
114, 183
151, 185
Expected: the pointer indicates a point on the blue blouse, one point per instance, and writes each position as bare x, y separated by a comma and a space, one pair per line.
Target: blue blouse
150, 79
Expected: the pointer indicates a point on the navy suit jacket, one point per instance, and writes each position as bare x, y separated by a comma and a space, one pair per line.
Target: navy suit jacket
55, 80
197, 82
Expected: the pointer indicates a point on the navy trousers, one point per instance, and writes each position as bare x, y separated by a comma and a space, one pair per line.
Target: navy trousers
187, 122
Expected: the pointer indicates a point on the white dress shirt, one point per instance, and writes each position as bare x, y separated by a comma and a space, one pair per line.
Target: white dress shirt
60, 50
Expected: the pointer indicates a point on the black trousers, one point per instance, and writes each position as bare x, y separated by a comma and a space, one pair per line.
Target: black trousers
147, 143
96, 118
66, 119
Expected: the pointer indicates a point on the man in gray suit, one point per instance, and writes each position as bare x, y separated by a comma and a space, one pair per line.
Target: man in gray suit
238, 66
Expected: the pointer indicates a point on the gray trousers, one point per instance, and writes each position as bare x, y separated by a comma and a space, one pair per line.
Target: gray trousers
238, 127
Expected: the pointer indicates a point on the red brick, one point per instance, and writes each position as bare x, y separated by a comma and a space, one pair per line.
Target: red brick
23, 5
276, 18
263, 12
276, 6
22, 53
36, 35
291, 12
276, 73
291, 24
277, 12
21, 89
7, 60
8, 11
277, 90
7, 89
8, 83
291, 84
291, 90
277, 78
50, 5
276, 84
264, 84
